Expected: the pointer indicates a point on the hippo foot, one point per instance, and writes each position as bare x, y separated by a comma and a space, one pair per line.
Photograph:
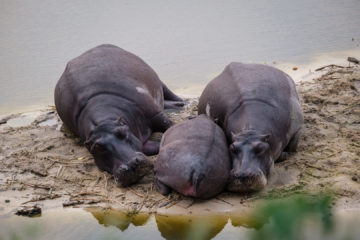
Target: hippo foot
151, 148
283, 157
163, 189
293, 143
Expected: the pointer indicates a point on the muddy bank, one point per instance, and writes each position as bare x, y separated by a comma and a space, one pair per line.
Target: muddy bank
41, 163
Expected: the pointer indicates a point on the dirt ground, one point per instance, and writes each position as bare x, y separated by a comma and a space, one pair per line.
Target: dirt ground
41, 163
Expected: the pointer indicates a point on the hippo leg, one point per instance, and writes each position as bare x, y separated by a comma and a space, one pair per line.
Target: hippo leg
291, 147
283, 157
163, 189
169, 95
173, 105
160, 122
151, 148
171, 100
293, 143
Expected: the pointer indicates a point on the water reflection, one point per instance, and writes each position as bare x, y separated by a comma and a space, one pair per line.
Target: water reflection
119, 219
190, 227
170, 226
247, 221
307, 217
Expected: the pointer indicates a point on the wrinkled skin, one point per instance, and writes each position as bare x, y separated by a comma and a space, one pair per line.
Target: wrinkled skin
258, 108
252, 162
109, 144
113, 101
193, 159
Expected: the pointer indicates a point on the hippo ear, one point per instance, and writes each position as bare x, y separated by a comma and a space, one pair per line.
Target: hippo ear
266, 138
233, 136
232, 148
121, 132
88, 144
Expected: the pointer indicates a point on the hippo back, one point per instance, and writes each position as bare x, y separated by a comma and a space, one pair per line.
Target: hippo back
106, 70
264, 95
194, 158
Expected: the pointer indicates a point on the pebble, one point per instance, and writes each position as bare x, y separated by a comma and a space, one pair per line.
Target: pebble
29, 211
353, 60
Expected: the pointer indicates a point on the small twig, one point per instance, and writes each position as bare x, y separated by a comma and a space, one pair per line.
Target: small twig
51, 165
98, 180
315, 167
220, 199
39, 173
136, 193
42, 198
72, 203
172, 203
106, 181
114, 200
192, 203
331, 65
142, 204
36, 185
59, 170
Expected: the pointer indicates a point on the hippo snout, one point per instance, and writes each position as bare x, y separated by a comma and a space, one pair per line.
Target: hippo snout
131, 172
247, 180
123, 168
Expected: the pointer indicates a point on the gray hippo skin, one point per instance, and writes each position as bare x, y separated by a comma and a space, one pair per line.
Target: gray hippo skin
113, 101
258, 108
194, 159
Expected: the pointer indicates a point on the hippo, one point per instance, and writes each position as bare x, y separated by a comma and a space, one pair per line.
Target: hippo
193, 159
258, 108
112, 100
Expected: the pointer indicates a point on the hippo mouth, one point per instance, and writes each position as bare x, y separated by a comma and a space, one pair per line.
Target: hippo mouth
127, 175
252, 183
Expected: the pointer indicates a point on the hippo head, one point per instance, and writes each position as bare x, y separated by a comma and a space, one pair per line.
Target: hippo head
252, 162
118, 151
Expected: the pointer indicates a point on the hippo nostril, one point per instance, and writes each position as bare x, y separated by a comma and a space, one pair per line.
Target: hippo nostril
234, 174
138, 160
250, 176
244, 177
123, 168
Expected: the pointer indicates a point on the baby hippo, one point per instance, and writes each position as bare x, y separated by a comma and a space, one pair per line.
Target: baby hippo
193, 159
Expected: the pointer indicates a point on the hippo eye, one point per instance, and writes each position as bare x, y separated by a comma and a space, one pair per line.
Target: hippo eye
259, 149
99, 148
121, 132
234, 149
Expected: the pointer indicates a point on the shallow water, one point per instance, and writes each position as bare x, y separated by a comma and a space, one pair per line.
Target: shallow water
108, 224
186, 42
96, 223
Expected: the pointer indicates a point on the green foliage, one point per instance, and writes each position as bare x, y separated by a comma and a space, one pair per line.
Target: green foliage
289, 218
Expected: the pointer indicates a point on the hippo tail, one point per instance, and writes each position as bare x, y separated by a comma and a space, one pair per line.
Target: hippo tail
192, 189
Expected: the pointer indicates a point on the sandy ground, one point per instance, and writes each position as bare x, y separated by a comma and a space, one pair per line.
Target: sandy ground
41, 163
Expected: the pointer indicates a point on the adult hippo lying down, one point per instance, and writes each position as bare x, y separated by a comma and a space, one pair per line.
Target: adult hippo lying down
113, 101
258, 108
193, 159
